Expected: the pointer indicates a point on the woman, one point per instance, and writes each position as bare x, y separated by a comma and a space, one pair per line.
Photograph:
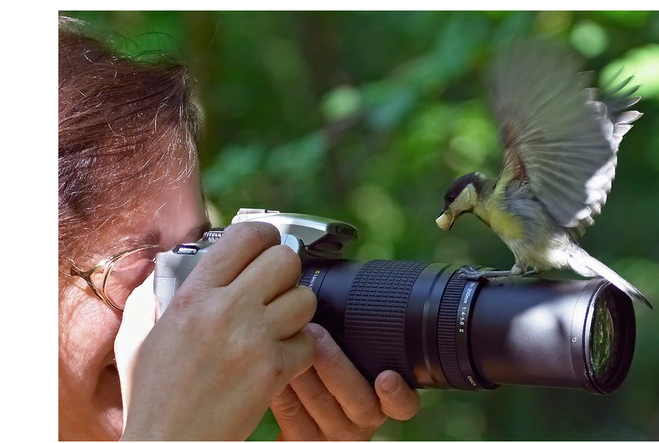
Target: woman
230, 345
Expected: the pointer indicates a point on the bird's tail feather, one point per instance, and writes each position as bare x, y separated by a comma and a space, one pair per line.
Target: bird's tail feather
583, 259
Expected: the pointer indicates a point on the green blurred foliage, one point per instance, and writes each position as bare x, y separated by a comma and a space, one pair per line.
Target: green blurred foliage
366, 117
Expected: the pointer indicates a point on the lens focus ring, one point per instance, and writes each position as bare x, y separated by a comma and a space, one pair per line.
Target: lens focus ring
447, 329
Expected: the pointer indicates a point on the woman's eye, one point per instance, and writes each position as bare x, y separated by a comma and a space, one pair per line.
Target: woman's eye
129, 272
133, 275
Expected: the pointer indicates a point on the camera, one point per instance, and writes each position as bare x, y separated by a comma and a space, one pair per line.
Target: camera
437, 328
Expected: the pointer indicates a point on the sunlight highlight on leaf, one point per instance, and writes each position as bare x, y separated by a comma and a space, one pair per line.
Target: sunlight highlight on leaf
589, 38
643, 64
341, 102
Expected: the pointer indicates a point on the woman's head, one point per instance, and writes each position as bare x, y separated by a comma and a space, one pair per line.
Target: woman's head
127, 176
126, 129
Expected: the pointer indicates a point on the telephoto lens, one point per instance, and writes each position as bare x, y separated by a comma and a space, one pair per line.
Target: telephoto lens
436, 327
440, 330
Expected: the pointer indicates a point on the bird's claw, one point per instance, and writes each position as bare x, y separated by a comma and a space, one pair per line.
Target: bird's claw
470, 273
529, 273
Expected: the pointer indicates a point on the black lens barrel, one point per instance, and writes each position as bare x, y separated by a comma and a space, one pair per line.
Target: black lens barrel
439, 330
535, 332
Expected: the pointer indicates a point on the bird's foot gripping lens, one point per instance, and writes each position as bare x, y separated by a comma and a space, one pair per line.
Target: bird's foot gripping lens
469, 273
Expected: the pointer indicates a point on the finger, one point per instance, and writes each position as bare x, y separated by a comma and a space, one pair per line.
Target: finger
322, 406
238, 246
353, 392
397, 399
297, 353
271, 273
291, 311
138, 319
293, 419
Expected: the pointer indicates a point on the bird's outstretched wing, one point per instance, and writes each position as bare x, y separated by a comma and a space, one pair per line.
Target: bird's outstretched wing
557, 133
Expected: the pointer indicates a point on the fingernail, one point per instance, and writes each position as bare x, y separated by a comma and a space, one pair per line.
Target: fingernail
390, 384
316, 331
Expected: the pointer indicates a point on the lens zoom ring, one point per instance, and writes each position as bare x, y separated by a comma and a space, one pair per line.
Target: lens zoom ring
447, 332
375, 315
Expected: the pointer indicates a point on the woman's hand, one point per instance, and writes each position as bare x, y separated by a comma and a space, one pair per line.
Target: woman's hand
333, 401
228, 343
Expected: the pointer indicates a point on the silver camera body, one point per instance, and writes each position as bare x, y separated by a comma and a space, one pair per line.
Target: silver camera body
311, 237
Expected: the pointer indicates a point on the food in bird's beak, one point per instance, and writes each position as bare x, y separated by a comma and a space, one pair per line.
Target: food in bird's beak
445, 221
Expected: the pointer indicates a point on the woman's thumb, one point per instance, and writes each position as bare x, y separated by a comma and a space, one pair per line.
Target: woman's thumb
138, 319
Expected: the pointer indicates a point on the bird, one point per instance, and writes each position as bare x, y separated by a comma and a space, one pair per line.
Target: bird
560, 141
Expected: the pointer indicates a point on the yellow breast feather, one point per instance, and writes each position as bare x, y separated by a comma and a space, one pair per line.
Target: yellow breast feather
505, 225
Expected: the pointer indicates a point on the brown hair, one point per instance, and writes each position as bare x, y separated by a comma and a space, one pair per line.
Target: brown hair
125, 127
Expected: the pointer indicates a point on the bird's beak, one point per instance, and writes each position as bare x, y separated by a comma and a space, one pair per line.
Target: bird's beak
445, 220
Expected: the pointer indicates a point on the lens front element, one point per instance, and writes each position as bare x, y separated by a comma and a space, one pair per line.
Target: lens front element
603, 340
611, 340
